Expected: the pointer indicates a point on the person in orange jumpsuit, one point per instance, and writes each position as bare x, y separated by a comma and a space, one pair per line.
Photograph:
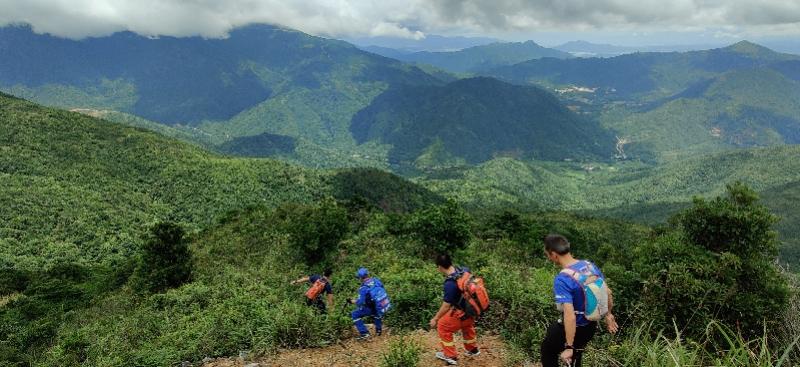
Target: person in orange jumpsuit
450, 318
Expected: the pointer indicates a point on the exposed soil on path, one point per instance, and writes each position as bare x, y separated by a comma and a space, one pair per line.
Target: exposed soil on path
352, 353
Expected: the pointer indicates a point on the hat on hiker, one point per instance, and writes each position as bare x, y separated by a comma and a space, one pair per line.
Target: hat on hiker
362, 272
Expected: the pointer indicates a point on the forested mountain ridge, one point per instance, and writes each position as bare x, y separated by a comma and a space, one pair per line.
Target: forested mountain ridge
643, 76
262, 91
477, 58
474, 120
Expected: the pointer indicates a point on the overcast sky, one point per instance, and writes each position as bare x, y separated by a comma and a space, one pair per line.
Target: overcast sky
550, 21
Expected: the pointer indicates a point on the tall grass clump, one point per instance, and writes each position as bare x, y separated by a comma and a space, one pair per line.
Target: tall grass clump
720, 346
402, 352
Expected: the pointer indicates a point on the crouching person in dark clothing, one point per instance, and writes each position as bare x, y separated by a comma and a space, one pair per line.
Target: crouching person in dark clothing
319, 286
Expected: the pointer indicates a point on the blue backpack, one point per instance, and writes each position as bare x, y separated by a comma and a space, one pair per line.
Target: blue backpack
595, 292
378, 296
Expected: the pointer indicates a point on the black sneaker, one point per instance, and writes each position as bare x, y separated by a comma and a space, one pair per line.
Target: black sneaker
472, 353
363, 337
378, 332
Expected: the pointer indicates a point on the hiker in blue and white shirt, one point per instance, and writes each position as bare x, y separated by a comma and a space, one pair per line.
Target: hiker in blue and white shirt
583, 298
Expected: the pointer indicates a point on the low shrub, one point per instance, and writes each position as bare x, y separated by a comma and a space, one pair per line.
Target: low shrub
402, 352
165, 261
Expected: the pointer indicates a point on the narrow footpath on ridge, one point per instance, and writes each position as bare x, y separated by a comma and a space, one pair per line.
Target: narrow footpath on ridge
352, 353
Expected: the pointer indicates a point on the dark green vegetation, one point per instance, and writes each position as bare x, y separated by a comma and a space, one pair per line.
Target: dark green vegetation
473, 120
96, 269
631, 191
478, 58
76, 189
262, 145
165, 261
138, 290
80, 199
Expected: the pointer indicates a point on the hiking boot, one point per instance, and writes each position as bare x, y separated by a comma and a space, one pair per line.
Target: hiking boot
448, 360
378, 332
472, 353
362, 337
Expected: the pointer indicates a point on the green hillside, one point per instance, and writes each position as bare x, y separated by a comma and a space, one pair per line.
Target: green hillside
482, 58
87, 204
260, 79
574, 186
77, 189
474, 120
744, 108
81, 190
630, 190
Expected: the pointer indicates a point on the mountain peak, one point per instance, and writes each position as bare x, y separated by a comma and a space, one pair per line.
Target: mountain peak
750, 48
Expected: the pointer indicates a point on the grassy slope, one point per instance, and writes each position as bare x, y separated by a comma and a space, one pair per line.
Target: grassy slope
79, 189
246, 303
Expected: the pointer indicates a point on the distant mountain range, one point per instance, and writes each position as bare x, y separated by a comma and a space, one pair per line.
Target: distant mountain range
643, 75
271, 91
668, 105
477, 58
430, 42
588, 49
262, 91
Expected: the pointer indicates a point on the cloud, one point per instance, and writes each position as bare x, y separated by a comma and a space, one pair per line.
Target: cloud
398, 18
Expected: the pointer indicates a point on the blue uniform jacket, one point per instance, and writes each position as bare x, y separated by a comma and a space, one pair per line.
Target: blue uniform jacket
364, 300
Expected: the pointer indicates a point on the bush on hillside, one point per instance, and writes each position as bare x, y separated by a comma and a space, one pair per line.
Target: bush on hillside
165, 261
294, 325
402, 353
415, 297
718, 265
12, 280
314, 230
441, 228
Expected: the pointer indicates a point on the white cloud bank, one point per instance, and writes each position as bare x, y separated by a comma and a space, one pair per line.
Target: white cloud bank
400, 18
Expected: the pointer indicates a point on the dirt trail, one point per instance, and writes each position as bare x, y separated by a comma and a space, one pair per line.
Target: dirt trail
351, 353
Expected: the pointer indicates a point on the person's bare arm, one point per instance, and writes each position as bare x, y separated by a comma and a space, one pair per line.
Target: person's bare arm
443, 309
611, 321
570, 325
300, 280
330, 300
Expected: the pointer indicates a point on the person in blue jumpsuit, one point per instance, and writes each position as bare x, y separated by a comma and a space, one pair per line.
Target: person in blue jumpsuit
367, 307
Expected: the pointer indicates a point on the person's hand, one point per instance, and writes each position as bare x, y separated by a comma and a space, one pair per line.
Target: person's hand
433, 323
611, 324
566, 356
